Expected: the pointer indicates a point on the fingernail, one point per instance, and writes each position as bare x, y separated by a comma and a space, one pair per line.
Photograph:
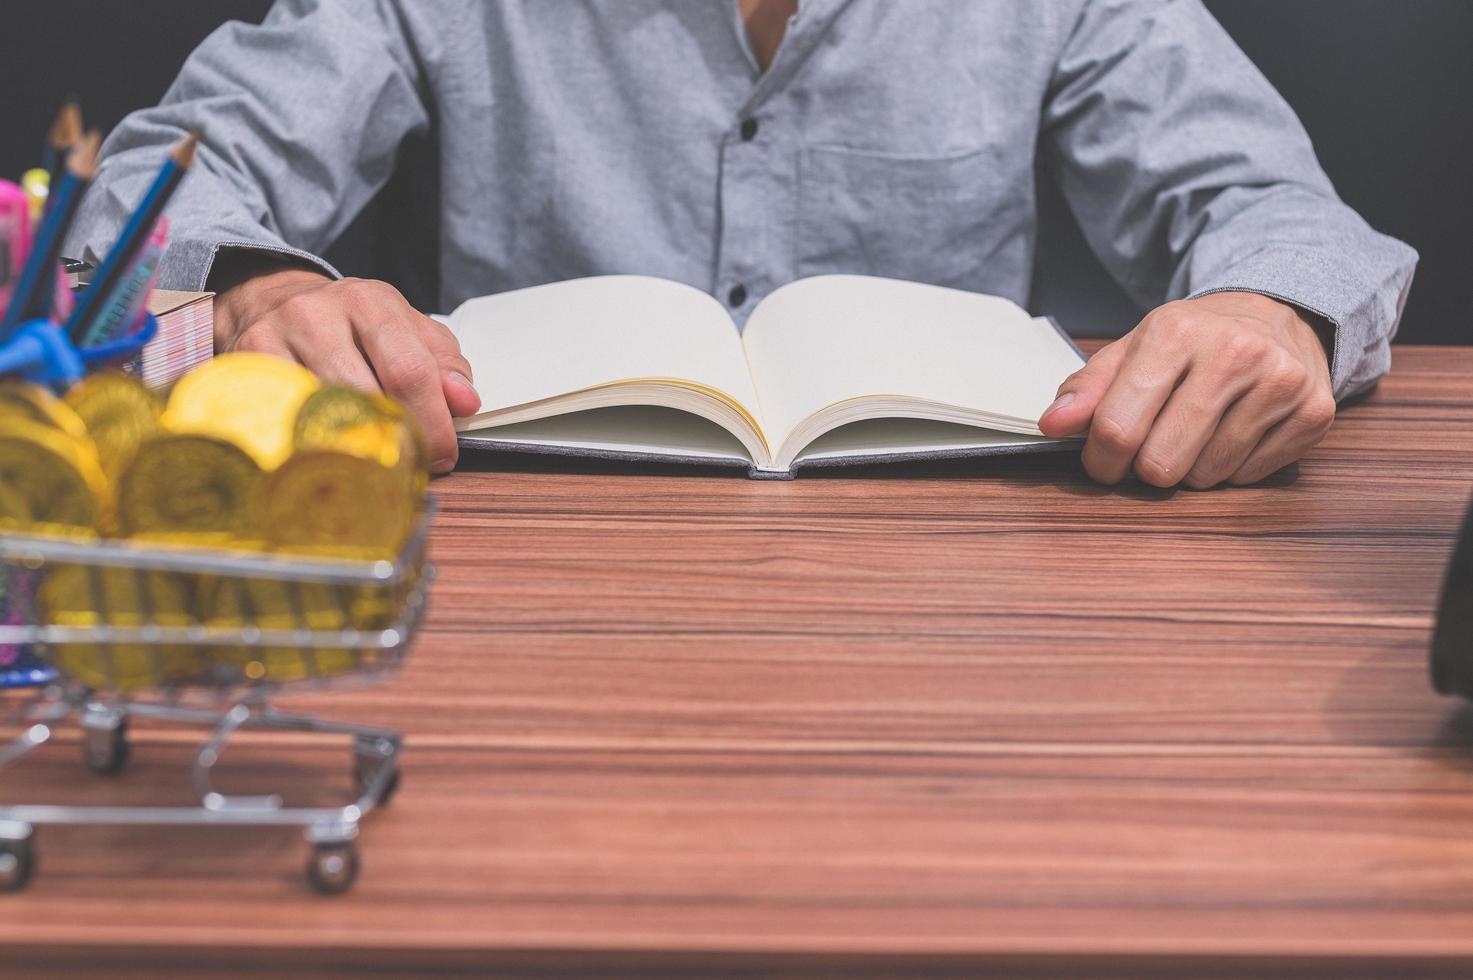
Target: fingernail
443, 465
1059, 403
462, 379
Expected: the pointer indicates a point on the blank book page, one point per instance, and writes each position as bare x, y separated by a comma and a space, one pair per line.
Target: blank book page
828, 339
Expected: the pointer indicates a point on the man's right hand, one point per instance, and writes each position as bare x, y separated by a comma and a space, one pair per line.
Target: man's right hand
356, 332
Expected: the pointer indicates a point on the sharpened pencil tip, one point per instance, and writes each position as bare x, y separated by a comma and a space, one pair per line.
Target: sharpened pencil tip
67, 129
183, 152
83, 159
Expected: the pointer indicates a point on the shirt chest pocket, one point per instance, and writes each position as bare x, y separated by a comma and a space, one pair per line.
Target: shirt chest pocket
934, 219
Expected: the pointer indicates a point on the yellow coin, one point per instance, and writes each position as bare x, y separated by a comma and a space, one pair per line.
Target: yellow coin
332, 503
415, 460
350, 421
13, 501
50, 481
251, 400
368, 425
189, 485
73, 595
270, 604
35, 403
119, 414
415, 452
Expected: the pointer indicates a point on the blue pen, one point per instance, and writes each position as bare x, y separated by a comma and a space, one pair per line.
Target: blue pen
37, 286
134, 237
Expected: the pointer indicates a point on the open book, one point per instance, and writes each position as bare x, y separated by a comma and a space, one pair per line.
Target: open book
829, 370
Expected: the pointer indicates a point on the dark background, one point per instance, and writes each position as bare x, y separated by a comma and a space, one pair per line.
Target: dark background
1385, 87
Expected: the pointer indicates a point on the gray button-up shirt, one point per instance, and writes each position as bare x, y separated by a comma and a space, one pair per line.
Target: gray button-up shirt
889, 137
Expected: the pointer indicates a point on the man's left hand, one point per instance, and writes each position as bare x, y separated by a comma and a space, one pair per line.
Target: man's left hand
1230, 387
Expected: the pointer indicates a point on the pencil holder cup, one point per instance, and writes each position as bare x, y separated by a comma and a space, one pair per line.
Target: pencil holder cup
41, 351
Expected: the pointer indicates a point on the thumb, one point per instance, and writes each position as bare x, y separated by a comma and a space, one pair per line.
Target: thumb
455, 371
460, 394
1080, 394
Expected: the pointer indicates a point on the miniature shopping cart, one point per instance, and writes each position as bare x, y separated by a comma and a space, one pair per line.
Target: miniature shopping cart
254, 625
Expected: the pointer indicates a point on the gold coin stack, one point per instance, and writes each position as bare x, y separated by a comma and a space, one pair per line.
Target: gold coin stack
248, 452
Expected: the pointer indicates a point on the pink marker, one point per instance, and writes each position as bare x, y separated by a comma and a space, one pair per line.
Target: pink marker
15, 236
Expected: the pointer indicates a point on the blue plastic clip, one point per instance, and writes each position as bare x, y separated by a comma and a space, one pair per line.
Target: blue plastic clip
41, 351
28, 676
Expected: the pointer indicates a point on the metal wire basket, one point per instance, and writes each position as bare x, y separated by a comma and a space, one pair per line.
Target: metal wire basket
112, 630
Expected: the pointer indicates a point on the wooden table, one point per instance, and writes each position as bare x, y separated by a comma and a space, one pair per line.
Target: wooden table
974, 717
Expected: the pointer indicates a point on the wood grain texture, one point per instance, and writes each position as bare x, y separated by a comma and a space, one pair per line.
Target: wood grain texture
968, 718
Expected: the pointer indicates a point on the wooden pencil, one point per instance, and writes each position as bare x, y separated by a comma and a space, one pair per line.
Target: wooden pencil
65, 133
135, 235
37, 286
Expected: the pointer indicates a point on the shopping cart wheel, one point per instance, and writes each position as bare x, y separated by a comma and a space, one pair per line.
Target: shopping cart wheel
17, 864
333, 868
105, 750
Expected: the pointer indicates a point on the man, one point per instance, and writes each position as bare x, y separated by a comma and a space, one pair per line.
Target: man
738, 144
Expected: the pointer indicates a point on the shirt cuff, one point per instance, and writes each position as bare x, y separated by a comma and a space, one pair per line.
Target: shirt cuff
187, 262
286, 254
1315, 283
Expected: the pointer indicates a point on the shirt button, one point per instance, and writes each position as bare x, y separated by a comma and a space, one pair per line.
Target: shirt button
738, 295
749, 130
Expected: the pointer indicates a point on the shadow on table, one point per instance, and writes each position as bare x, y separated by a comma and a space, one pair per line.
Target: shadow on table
1083, 486
1386, 699
1456, 731
1451, 745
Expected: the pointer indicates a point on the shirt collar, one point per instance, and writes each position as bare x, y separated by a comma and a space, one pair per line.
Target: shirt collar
805, 32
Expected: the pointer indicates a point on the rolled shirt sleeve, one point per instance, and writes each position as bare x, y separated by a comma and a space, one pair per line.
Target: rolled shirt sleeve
301, 118
1189, 174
